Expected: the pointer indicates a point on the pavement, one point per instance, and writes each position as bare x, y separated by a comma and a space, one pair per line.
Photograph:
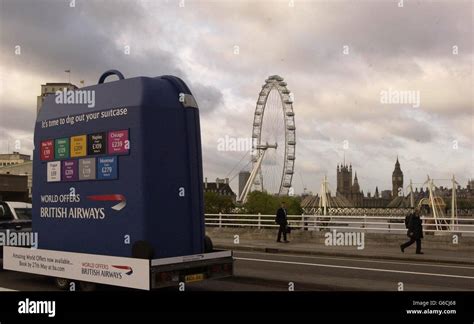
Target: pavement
383, 252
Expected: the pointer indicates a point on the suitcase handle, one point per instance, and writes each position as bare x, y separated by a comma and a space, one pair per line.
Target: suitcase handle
109, 73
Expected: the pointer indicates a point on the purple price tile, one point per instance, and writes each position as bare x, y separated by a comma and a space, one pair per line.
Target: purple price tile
69, 170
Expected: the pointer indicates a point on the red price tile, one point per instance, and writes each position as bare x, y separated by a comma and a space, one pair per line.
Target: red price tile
47, 150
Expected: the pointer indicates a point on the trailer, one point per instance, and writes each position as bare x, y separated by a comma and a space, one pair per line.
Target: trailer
90, 269
118, 188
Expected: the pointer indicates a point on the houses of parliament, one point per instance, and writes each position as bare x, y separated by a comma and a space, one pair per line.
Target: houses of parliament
348, 189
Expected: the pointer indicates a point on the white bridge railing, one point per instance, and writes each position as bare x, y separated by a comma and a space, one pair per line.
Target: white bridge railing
382, 224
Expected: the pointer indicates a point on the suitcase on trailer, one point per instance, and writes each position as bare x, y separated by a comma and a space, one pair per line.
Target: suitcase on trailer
118, 169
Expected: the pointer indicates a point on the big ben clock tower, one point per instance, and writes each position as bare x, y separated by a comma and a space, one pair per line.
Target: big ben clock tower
397, 179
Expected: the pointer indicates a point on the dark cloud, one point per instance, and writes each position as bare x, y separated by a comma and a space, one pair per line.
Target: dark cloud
55, 37
336, 95
209, 98
311, 35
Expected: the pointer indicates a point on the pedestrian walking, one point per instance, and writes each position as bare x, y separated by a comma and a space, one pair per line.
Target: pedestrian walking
282, 220
414, 225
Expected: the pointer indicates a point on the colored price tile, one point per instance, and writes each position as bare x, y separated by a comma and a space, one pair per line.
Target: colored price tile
61, 148
78, 146
69, 170
97, 143
87, 169
107, 168
118, 142
53, 171
47, 150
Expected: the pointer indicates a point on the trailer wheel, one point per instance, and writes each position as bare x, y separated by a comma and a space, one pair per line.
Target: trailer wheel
62, 283
87, 286
208, 246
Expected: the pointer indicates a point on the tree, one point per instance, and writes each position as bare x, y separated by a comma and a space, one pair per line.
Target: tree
293, 204
215, 203
266, 204
261, 202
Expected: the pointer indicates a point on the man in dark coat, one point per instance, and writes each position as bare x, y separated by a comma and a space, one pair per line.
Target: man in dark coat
415, 232
282, 220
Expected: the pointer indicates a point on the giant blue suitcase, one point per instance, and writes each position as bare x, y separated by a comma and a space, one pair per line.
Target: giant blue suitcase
121, 174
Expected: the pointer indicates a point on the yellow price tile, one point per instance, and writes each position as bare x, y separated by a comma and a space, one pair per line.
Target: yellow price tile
78, 145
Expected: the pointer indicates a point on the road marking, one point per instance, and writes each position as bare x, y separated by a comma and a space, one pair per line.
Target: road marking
355, 268
356, 259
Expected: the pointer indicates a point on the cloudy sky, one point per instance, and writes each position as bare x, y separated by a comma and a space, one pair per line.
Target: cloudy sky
336, 56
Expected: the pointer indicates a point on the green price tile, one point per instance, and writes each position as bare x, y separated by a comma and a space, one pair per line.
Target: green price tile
61, 148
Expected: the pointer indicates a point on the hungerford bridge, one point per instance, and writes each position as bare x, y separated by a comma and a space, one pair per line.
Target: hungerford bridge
324, 212
432, 207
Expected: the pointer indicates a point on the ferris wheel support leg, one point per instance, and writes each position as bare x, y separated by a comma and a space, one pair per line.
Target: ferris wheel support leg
248, 185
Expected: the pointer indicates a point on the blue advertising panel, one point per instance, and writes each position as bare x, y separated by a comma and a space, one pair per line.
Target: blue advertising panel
148, 192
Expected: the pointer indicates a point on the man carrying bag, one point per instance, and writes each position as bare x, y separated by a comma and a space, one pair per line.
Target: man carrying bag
415, 232
281, 219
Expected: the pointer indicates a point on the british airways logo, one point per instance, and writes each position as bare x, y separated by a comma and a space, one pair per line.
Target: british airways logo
128, 270
112, 197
